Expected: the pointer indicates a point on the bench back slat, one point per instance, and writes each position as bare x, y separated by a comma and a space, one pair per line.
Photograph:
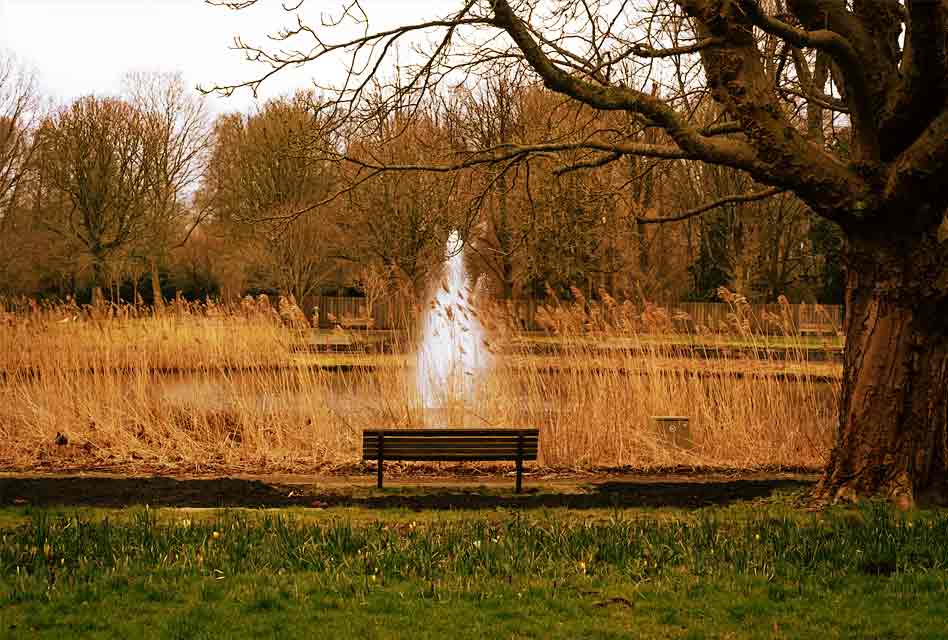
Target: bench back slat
410, 446
498, 432
450, 440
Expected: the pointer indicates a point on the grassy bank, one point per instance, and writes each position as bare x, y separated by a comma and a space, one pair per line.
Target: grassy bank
756, 569
204, 387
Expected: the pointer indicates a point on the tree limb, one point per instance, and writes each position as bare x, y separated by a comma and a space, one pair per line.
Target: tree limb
838, 47
922, 169
729, 152
506, 152
739, 82
282, 60
720, 202
922, 89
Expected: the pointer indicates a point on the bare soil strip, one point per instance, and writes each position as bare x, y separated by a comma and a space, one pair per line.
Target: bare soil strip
418, 492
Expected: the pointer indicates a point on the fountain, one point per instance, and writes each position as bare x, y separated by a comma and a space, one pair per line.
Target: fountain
453, 355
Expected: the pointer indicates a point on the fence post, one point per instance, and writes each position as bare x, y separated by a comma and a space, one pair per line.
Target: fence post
519, 462
381, 456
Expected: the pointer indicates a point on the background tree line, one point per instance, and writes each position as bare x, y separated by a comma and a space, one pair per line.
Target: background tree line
145, 195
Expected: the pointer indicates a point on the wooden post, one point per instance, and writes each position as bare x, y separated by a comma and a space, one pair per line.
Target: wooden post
519, 462
673, 430
381, 456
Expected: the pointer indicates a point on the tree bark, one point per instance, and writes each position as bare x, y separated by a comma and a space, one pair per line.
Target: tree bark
158, 300
98, 275
508, 275
892, 438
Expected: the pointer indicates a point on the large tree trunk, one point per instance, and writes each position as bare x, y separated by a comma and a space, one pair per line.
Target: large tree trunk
893, 431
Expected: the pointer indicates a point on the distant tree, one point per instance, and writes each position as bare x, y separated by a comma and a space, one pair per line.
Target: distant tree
302, 256
178, 133
488, 117
826, 238
264, 170
95, 165
19, 110
402, 220
759, 248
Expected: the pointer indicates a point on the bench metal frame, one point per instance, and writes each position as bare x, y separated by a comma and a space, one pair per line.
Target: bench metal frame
449, 445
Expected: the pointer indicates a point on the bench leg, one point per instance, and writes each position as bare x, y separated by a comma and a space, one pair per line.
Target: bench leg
519, 474
380, 472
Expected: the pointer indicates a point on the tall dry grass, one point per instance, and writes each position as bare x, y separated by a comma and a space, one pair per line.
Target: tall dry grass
209, 387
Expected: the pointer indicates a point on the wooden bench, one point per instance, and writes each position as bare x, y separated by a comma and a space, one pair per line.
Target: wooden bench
449, 445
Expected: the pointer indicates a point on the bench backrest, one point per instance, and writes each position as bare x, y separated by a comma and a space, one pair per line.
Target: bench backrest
451, 444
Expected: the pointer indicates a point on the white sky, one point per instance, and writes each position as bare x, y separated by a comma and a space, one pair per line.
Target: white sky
84, 46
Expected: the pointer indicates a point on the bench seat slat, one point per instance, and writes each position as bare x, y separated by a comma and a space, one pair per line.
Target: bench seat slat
372, 454
449, 457
503, 446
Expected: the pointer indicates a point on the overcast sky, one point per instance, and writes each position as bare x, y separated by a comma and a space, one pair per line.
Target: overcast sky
84, 46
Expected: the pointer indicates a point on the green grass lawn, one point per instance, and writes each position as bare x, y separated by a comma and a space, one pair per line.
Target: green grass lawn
762, 568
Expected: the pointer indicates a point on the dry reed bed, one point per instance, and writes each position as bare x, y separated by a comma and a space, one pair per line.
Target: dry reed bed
108, 394
185, 335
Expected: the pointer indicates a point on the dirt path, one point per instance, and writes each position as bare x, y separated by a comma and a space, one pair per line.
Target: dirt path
412, 491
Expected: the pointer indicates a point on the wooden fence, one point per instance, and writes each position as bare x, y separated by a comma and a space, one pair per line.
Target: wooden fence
386, 314
685, 316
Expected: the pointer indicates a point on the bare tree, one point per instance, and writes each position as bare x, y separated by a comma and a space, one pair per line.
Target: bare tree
884, 63
263, 169
95, 168
759, 248
402, 220
302, 255
488, 116
178, 132
19, 110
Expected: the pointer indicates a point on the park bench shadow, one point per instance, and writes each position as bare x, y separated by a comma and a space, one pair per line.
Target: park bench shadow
235, 492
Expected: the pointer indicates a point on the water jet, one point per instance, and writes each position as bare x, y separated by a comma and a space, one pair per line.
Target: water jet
452, 356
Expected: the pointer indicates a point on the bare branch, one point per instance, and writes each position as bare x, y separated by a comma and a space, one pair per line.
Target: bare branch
727, 152
720, 202
922, 169
507, 152
812, 91
922, 90
838, 47
595, 163
376, 45
645, 51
